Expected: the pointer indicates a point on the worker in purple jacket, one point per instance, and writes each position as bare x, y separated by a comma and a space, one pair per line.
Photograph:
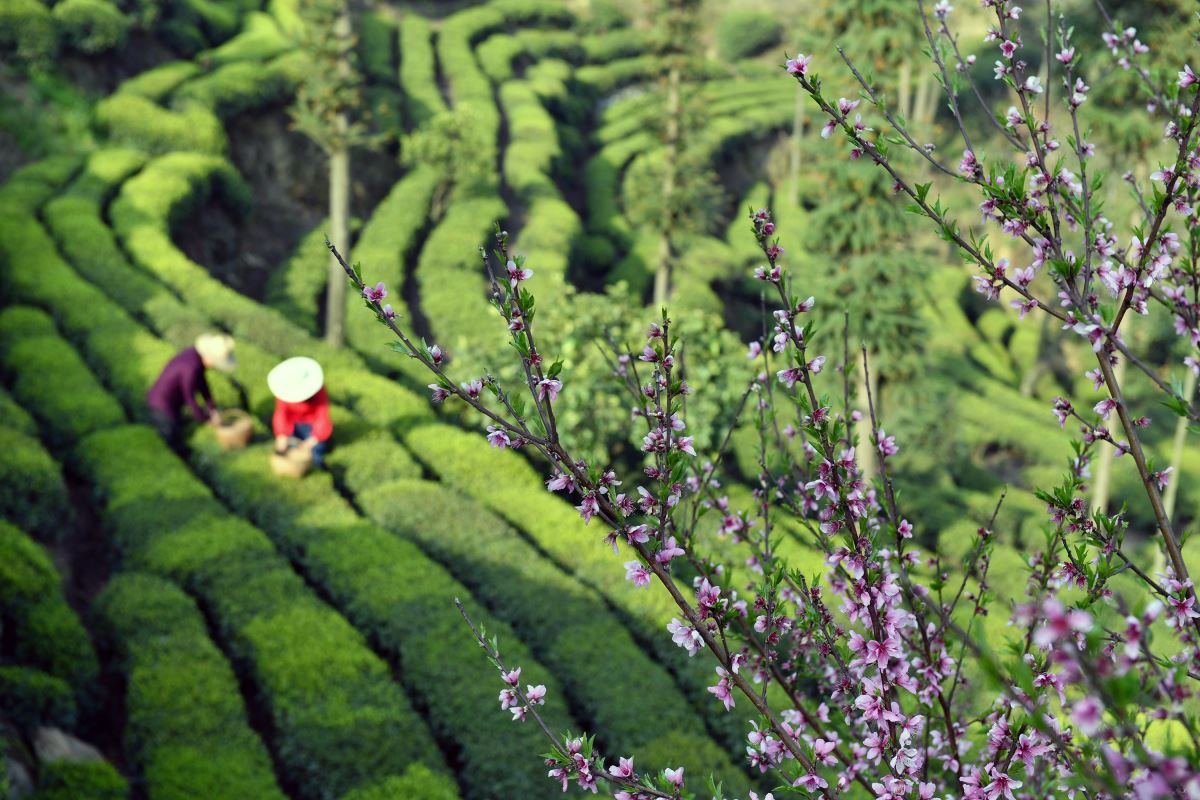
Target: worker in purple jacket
182, 380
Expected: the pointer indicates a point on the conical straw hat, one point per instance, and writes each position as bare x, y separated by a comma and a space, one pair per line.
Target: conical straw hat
296, 380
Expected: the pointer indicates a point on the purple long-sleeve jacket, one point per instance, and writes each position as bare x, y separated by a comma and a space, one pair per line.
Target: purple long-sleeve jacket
181, 380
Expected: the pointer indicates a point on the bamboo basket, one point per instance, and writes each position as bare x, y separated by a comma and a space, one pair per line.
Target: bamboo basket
295, 463
235, 429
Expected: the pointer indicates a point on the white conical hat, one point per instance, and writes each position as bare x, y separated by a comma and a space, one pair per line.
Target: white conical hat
217, 349
296, 380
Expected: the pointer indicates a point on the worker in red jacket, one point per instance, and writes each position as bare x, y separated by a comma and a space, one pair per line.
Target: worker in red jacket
301, 407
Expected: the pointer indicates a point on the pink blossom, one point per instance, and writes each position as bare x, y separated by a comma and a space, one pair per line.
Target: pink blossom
685, 636
798, 66
517, 274
1186, 77
439, 393
497, 437
1088, 714
589, 508
375, 293
638, 573
549, 387
669, 551
723, 691
624, 769
473, 389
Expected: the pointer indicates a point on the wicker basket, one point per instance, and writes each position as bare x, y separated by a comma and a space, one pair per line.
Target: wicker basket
292, 464
235, 429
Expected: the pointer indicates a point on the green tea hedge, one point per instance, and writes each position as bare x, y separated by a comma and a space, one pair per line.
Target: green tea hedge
31, 698
186, 730
388, 240
91, 26
326, 692
27, 31
465, 462
48, 376
418, 78
48, 635
131, 119
404, 602
32, 492
630, 709
89, 780
744, 32
296, 288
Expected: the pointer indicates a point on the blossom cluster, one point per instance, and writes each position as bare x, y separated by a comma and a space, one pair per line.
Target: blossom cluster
874, 677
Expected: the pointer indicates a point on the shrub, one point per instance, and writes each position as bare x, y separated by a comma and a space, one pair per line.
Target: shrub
630, 709
27, 30
388, 240
48, 636
92, 780
452, 286
15, 418
186, 730
377, 47
139, 122
160, 81
369, 573
48, 376
31, 698
259, 40
419, 781
91, 26
325, 691
32, 185
744, 33
465, 462
418, 78
32, 492
372, 459
296, 287
239, 86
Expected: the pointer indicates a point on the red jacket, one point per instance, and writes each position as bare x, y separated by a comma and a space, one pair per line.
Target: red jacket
313, 411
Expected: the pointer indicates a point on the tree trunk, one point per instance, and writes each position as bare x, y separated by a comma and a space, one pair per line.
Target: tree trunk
923, 108
1102, 485
1181, 430
662, 275
798, 121
339, 204
904, 92
868, 456
339, 233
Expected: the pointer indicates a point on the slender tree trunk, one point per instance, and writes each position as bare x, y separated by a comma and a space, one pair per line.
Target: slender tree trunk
924, 105
1181, 430
1102, 484
868, 456
904, 93
1038, 368
339, 232
798, 121
662, 275
339, 206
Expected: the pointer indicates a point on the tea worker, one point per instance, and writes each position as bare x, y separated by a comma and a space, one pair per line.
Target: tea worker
183, 379
301, 406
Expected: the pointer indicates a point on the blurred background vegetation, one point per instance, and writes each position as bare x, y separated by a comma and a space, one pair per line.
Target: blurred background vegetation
171, 167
